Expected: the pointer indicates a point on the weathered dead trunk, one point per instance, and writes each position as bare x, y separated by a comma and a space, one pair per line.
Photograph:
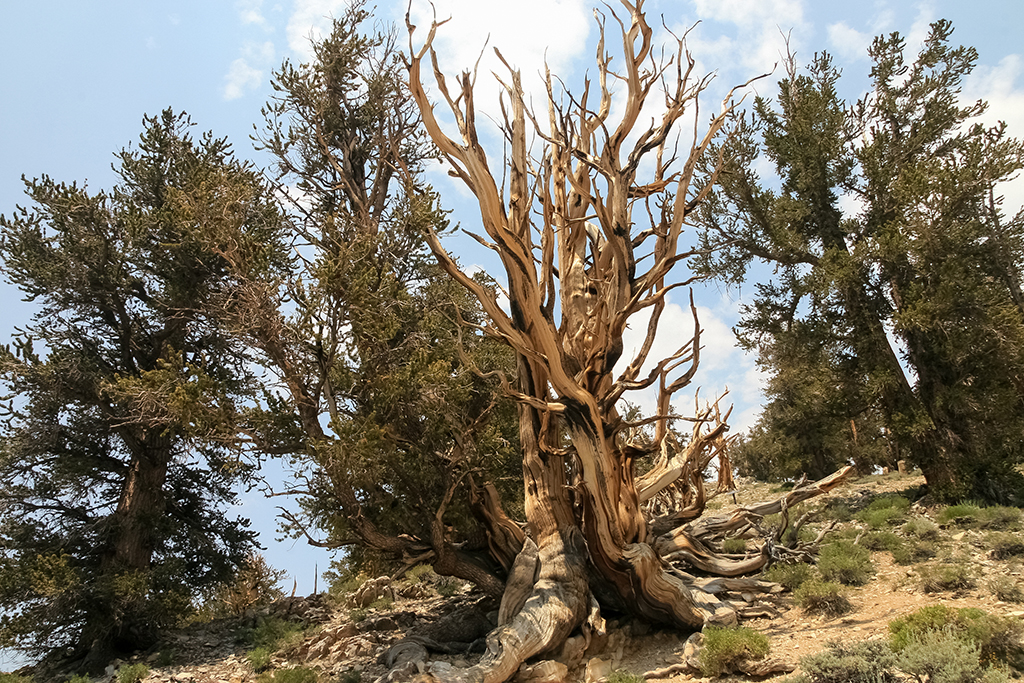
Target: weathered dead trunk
584, 504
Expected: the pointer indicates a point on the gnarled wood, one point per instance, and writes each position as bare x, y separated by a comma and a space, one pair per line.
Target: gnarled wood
562, 223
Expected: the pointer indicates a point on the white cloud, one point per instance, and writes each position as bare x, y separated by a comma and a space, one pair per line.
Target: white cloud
998, 85
240, 78
921, 27
722, 365
759, 39
251, 12
476, 28
310, 21
247, 72
847, 42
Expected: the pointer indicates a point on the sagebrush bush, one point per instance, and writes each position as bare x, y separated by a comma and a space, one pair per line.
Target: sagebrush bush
383, 603
273, 633
822, 597
943, 656
449, 586
734, 545
789, 576
1003, 544
132, 673
258, 658
999, 517
421, 573
837, 511
884, 511
946, 578
922, 529
622, 676
723, 648
964, 514
1006, 589
866, 662
997, 638
299, 674
846, 563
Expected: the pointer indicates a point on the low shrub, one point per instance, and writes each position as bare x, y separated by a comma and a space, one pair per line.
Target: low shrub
274, 633
132, 673
78, 678
946, 578
359, 614
351, 677
922, 529
902, 551
789, 576
866, 662
846, 563
964, 514
943, 656
1006, 589
884, 511
622, 676
999, 517
836, 511
997, 638
723, 648
383, 603
822, 597
734, 545
258, 658
421, 573
299, 674
449, 586
15, 678
1003, 544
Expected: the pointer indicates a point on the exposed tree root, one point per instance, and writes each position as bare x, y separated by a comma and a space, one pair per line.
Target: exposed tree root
558, 604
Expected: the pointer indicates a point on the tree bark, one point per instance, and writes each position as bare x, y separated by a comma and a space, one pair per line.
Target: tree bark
132, 526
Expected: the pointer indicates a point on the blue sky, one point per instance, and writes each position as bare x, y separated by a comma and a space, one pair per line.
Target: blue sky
76, 78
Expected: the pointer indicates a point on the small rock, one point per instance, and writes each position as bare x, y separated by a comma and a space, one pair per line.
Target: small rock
548, 671
598, 670
440, 669
405, 651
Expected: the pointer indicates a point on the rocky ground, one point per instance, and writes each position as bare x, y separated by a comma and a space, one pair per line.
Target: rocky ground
382, 632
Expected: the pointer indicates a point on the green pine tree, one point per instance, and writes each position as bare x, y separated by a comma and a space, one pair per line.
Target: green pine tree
115, 476
924, 276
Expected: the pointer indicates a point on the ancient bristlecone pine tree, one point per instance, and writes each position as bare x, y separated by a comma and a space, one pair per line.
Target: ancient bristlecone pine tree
586, 244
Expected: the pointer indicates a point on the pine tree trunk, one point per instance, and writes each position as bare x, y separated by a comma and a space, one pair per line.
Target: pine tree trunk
133, 537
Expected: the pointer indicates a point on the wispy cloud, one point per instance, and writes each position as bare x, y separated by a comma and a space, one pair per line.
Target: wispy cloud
999, 86
251, 12
848, 43
247, 72
310, 21
759, 37
513, 28
722, 365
